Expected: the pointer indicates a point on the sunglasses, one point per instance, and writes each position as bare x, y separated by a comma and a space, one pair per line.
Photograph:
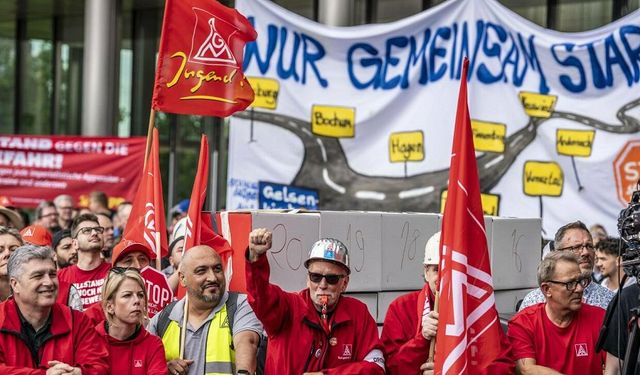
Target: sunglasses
331, 279
122, 270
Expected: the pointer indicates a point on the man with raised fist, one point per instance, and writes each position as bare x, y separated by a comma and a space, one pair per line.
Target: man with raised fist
316, 330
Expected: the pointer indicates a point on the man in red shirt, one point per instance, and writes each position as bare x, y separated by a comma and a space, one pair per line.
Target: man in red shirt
90, 272
316, 330
560, 335
38, 333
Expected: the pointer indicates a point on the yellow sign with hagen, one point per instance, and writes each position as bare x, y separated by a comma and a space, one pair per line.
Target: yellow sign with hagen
406, 146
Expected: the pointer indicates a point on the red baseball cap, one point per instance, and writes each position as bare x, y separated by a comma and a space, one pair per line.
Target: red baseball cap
125, 247
36, 235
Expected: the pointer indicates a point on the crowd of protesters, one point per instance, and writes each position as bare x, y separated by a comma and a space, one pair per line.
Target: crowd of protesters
74, 302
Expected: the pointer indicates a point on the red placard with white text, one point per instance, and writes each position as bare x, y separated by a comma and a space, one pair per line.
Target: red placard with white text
158, 290
35, 168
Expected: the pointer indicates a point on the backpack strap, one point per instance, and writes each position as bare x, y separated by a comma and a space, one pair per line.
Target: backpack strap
163, 319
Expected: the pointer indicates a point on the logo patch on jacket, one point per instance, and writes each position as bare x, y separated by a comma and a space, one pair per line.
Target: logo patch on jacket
137, 363
581, 350
346, 352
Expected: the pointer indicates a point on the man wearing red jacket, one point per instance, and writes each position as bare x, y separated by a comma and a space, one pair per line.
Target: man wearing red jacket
411, 323
317, 330
39, 336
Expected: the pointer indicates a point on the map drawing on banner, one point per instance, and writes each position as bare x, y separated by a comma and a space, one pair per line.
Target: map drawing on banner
364, 115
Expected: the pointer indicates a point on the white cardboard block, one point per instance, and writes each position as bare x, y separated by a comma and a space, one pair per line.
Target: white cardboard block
515, 252
369, 299
361, 233
404, 236
384, 300
293, 236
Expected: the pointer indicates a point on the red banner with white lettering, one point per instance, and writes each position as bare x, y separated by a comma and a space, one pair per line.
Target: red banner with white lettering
147, 220
468, 338
36, 168
200, 59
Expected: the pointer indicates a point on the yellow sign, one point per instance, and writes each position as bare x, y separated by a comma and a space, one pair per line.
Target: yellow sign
490, 203
406, 146
488, 136
266, 90
537, 105
542, 178
574, 142
337, 122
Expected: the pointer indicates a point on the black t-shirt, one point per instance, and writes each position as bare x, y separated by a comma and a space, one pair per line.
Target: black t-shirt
618, 333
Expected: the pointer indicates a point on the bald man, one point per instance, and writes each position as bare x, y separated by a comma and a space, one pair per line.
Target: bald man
214, 335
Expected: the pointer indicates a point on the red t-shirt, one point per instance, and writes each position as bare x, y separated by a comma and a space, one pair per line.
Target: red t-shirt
88, 283
569, 350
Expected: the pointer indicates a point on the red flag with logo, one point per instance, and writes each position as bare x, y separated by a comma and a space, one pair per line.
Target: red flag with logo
200, 59
147, 219
468, 338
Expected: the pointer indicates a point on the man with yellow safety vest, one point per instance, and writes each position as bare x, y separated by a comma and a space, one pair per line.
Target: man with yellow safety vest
222, 333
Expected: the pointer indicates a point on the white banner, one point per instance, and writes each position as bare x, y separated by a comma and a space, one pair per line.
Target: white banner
364, 115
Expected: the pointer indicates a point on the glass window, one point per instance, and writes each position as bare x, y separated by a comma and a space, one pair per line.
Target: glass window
67, 115
583, 15
305, 8
7, 75
393, 10
533, 10
36, 81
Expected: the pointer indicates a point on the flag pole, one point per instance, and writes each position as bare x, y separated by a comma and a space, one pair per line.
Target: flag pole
185, 321
152, 121
158, 251
432, 343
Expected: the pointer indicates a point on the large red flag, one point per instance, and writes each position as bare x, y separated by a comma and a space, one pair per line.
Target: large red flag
200, 59
147, 219
468, 338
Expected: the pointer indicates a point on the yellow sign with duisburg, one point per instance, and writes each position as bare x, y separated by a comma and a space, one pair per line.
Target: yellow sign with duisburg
266, 92
490, 203
537, 105
574, 142
542, 179
330, 121
488, 136
406, 146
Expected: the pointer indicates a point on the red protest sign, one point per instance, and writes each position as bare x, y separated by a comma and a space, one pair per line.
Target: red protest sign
200, 59
158, 290
35, 168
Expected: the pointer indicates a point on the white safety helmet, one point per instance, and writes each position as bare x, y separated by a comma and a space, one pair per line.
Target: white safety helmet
432, 250
179, 231
329, 250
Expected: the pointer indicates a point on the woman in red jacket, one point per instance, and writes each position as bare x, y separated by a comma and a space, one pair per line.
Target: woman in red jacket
132, 350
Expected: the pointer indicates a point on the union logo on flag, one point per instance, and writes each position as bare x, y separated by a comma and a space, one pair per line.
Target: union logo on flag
211, 48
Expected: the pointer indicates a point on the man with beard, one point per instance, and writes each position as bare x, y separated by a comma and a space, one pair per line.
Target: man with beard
213, 337
90, 272
559, 335
317, 330
38, 333
66, 253
576, 238
107, 236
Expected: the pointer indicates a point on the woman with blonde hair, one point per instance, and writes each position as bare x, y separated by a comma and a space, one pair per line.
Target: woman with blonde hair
132, 350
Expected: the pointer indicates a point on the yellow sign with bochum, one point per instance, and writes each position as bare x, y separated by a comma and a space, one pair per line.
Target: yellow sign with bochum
490, 203
266, 92
574, 142
488, 136
537, 105
406, 146
542, 179
336, 122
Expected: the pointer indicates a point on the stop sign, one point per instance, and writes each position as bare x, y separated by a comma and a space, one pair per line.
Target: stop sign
626, 168
158, 290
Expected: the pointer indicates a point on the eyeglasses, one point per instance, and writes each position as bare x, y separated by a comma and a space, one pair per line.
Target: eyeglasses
331, 279
577, 248
572, 285
88, 230
122, 270
53, 214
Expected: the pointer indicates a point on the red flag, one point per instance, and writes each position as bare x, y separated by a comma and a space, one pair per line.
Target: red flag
147, 218
193, 230
200, 59
468, 338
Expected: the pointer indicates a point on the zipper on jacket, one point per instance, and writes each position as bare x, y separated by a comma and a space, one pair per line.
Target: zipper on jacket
306, 364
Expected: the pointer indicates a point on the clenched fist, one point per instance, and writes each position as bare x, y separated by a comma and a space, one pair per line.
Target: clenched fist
259, 243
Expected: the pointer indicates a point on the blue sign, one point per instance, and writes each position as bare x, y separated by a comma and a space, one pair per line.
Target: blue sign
277, 196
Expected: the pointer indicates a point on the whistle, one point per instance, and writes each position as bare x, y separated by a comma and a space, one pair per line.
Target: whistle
324, 300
